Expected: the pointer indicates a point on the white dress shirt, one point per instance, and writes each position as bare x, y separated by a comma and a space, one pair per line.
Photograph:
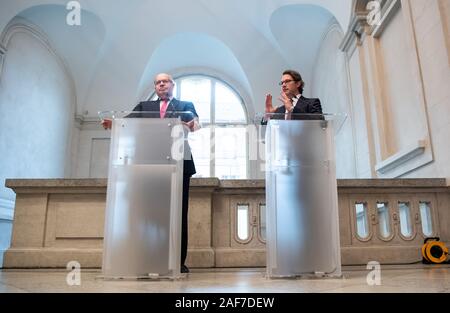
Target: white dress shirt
294, 102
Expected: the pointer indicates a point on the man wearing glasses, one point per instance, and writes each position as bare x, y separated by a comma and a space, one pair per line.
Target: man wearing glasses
293, 101
164, 107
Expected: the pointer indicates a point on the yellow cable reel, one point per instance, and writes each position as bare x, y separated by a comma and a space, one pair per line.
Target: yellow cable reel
434, 251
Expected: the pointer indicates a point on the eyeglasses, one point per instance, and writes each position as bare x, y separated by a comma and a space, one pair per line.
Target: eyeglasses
162, 81
285, 82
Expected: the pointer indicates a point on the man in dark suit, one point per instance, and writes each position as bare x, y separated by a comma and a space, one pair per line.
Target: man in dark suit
167, 106
293, 101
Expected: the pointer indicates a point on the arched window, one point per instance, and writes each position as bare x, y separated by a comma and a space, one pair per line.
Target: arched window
219, 148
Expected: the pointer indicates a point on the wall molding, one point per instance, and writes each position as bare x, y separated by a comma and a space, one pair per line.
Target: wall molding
355, 34
359, 29
22, 25
396, 162
444, 10
387, 13
401, 157
83, 122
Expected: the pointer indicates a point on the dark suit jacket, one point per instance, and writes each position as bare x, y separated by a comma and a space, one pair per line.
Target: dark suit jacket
305, 106
172, 109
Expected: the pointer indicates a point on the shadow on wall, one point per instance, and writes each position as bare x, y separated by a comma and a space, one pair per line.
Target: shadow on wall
42, 76
299, 30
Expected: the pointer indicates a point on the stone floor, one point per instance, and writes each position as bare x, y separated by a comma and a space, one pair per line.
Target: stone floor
394, 279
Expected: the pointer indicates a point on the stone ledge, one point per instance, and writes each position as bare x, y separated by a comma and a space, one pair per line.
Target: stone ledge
393, 183
244, 183
52, 183
231, 184
88, 258
51, 257
205, 182
229, 257
204, 258
381, 254
201, 257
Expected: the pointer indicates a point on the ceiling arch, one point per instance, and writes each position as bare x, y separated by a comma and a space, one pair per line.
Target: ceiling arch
78, 47
184, 52
120, 47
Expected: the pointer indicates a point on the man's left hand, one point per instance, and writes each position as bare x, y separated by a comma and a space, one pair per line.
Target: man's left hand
192, 125
286, 101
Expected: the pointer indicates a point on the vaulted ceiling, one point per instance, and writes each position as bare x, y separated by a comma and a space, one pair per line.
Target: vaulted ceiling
120, 45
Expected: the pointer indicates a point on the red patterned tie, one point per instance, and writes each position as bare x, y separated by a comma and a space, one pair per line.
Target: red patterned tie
164, 106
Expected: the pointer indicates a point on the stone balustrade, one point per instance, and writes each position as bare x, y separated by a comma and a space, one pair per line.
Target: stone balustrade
60, 220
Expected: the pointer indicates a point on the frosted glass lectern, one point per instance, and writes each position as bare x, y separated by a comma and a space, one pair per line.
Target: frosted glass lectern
301, 196
142, 236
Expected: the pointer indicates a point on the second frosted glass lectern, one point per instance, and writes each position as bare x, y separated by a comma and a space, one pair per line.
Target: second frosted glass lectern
143, 207
301, 197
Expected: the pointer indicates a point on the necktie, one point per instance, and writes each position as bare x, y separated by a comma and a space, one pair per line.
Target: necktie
164, 106
288, 115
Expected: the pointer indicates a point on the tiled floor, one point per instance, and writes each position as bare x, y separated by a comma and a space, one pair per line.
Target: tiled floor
417, 279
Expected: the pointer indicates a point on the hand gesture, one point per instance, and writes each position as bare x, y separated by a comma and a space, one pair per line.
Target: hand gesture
269, 105
286, 101
189, 125
192, 125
